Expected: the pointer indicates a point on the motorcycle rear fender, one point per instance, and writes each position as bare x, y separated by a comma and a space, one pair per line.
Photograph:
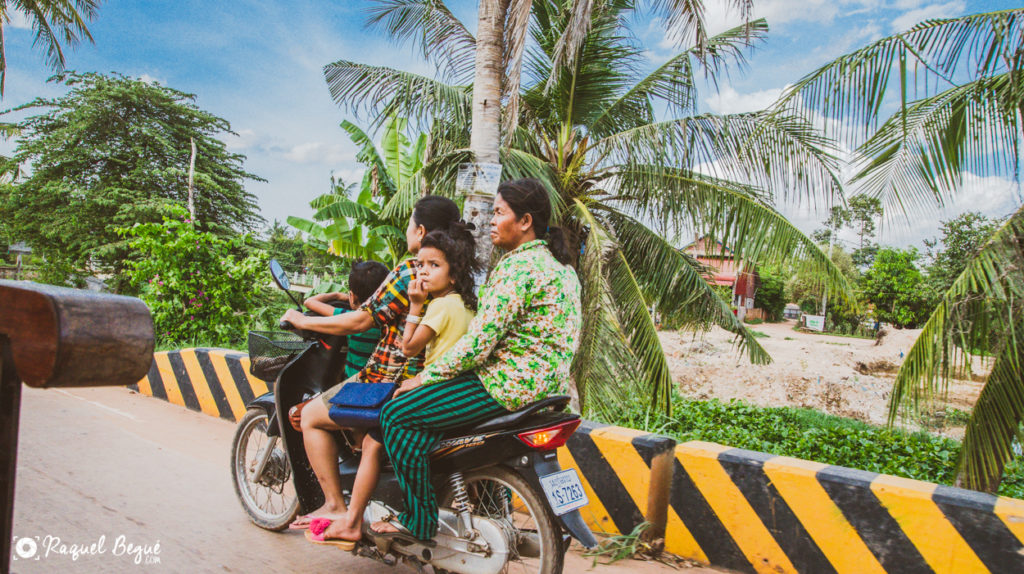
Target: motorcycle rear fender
266, 402
538, 464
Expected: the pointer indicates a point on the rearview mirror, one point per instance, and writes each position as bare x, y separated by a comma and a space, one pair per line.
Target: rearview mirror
280, 277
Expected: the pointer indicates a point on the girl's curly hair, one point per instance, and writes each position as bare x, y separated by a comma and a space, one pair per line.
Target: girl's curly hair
459, 248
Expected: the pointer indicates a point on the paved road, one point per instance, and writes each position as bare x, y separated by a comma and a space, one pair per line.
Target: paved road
136, 472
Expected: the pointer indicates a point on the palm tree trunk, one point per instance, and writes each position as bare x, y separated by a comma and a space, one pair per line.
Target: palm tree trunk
485, 133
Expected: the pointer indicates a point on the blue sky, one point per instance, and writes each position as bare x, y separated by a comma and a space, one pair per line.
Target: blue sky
258, 64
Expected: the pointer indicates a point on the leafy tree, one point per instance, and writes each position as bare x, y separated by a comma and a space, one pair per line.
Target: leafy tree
52, 21
864, 212
838, 218
618, 148
199, 287
804, 289
369, 223
964, 116
962, 238
771, 295
897, 288
109, 154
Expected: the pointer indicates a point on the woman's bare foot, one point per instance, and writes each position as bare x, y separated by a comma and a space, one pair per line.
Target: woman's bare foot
382, 527
342, 530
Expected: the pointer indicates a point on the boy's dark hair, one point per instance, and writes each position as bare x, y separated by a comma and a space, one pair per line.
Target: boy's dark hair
459, 250
365, 277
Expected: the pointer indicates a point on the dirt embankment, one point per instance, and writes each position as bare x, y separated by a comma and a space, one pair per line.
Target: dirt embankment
844, 376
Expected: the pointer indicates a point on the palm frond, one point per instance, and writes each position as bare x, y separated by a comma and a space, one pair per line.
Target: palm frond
916, 158
442, 38
673, 82
772, 151
604, 367
675, 284
516, 27
928, 58
343, 208
996, 418
367, 153
982, 303
385, 92
310, 227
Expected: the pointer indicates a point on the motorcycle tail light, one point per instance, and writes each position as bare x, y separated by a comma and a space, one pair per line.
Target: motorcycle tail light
549, 438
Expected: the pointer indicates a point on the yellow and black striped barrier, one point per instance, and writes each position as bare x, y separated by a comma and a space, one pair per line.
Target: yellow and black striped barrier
625, 473
743, 510
755, 512
212, 381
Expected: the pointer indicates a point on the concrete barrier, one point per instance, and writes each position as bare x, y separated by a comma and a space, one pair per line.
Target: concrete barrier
212, 381
755, 512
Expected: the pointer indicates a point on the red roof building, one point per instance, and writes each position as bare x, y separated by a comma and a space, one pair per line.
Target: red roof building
726, 271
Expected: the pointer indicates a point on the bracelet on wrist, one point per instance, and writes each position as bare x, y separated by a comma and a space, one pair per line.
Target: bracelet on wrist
414, 319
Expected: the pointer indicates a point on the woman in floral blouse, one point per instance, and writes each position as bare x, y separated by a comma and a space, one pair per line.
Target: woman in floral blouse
517, 351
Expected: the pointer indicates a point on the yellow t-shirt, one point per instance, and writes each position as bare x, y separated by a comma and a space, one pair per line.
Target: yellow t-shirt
449, 318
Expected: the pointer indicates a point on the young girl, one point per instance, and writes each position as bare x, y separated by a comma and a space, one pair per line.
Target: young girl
446, 262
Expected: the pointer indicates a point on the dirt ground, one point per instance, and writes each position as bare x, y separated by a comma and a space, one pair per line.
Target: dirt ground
843, 376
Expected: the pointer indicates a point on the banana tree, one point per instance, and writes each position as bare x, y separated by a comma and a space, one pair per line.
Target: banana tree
369, 222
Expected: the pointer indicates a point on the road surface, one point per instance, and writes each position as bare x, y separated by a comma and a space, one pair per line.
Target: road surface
113, 481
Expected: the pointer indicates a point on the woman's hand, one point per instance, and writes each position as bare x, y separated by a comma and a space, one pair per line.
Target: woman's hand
408, 385
417, 293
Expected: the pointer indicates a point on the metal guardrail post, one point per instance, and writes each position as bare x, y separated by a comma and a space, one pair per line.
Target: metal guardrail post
57, 337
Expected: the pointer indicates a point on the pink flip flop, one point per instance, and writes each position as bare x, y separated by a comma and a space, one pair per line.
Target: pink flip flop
317, 537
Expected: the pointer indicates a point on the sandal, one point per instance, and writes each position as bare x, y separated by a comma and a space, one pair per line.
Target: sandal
402, 532
336, 542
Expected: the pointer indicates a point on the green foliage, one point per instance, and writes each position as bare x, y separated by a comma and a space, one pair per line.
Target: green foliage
897, 288
199, 286
369, 222
810, 435
52, 21
771, 295
962, 238
109, 154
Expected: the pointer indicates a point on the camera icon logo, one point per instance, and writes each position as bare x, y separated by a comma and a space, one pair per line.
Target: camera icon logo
26, 548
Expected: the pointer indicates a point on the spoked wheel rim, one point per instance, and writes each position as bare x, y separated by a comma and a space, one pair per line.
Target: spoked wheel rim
509, 501
273, 499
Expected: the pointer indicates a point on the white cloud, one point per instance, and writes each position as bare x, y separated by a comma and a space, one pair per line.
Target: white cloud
246, 139
18, 19
944, 10
152, 80
317, 152
729, 101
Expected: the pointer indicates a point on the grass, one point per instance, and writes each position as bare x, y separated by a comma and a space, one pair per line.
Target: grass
176, 345
759, 334
798, 329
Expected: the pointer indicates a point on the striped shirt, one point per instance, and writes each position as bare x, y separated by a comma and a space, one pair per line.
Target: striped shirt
360, 347
388, 306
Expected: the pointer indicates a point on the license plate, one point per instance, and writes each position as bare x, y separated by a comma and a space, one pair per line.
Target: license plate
564, 491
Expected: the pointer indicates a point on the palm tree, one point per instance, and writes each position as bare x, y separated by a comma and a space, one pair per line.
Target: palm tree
53, 21
616, 168
960, 86
368, 221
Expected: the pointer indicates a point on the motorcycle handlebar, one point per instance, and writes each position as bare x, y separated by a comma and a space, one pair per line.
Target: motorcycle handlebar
286, 325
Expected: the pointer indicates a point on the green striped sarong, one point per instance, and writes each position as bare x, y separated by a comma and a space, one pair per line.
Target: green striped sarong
416, 421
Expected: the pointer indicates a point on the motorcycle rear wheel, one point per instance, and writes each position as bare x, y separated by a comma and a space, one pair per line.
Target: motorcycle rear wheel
270, 503
502, 495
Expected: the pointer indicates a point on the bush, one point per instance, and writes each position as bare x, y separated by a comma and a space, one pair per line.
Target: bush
200, 287
812, 435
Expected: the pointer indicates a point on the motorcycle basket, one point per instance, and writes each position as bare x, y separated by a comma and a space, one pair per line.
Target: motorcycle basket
270, 351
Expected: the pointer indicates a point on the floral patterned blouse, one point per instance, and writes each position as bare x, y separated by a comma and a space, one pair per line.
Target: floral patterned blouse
524, 336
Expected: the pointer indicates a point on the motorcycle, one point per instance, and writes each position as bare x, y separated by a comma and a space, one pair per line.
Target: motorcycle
505, 502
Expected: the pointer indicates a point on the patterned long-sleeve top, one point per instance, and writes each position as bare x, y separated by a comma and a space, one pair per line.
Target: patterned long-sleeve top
524, 336
389, 306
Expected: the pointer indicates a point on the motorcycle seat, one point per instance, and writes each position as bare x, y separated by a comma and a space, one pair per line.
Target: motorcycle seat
554, 402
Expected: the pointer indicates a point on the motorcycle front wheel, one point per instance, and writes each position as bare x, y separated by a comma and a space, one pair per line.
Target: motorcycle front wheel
504, 496
270, 499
